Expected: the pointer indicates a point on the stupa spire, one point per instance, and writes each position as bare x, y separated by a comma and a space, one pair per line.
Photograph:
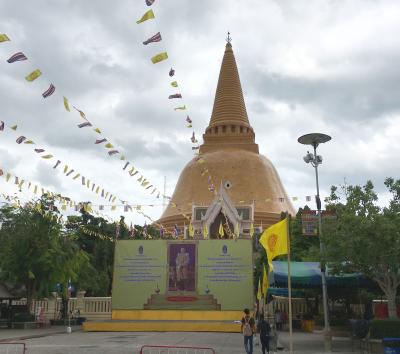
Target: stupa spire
229, 124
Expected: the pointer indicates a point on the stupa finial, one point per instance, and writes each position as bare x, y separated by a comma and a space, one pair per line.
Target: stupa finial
229, 38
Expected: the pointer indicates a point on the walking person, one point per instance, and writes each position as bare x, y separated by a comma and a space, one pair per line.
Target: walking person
264, 328
278, 320
248, 328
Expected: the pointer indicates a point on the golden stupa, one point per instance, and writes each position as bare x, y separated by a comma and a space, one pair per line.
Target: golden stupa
248, 191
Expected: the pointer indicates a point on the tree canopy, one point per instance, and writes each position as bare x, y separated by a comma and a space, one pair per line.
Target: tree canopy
366, 237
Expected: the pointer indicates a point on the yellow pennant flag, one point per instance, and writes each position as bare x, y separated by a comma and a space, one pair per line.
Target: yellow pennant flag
259, 293
174, 84
66, 104
63, 207
159, 57
147, 16
47, 156
251, 230
221, 230
275, 241
35, 190
33, 75
191, 230
205, 231
122, 157
109, 146
65, 168
265, 283
29, 142
180, 108
113, 207
97, 130
4, 37
237, 230
76, 176
14, 127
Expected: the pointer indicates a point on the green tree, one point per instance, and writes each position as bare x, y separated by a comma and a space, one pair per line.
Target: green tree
36, 253
302, 248
366, 238
96, 277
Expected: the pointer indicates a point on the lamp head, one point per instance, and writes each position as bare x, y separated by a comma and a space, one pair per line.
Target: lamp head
309, 157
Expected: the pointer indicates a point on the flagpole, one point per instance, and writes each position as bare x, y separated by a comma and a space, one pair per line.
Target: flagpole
289, 288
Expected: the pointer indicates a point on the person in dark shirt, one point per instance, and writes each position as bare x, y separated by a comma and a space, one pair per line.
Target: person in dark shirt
248, 328
264, 329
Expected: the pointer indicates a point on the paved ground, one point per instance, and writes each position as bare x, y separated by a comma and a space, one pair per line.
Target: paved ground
80, 342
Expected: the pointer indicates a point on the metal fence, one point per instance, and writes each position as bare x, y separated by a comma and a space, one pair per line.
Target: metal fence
12, 348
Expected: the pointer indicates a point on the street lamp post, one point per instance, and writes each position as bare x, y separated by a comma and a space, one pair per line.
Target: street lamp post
314, 139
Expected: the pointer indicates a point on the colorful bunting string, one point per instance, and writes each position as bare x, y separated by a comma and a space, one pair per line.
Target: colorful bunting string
36, 73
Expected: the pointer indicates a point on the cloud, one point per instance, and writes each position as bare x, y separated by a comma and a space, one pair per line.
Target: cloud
305, 66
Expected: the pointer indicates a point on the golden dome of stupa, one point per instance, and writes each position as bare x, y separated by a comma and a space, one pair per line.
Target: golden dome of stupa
229, 157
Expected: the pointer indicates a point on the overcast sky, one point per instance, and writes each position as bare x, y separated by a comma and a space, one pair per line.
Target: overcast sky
305, 66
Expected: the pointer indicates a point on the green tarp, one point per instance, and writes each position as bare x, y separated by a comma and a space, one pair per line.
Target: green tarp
308, 275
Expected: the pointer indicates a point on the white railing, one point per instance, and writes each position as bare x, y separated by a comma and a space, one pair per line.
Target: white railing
92, 308
299, 306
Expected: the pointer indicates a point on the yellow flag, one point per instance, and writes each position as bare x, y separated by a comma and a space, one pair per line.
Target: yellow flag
63, 207
159, 57
251, 230
65, 168
113, 207
76, 176
259, 293
180, 108
191, 230
221, 230
29, 142
97, 130
109, 145
174, 84
265, 283
47, 157
205, 231
66, 104
237, 230
275, 240
4, 37
33, 75
14, 127
147, 16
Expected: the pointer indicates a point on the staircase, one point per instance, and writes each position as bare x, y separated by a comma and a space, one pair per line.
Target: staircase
188, 301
